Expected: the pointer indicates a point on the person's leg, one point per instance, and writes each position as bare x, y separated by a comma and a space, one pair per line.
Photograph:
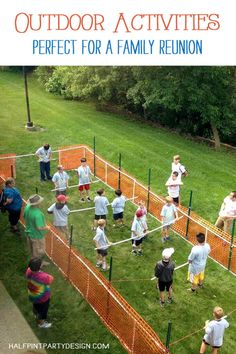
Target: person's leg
214, 350
134, 247
47, 170
162, 296
219, 222
228, 226
203, 348
42, 171
87, 189
13, 217
170, 293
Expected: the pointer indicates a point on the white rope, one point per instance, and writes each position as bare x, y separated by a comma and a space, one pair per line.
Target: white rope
74, 186
135, 238
85, 209
180, 266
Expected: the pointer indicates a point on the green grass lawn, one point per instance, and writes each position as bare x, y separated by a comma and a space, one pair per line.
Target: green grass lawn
142, 147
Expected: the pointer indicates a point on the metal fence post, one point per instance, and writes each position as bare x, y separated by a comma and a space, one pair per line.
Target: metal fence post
189, 211
119, 171
168, 334
70, 244
110, 270
36, 190
149, 187
231, 246
94, 156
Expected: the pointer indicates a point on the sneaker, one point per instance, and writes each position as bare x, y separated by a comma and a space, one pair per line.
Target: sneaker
134, 252
163, 240
170, 300
168, 238
140, 253
82, 200
98, 264
89, 199
162, 304
45, 324
104, 269
192, 290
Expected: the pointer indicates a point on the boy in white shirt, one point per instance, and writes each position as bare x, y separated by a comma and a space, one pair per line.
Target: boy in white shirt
214, 331
169, 214
118, 206
60, 213
84, 174
176, 166
101, 203
227, 213
102, 243
60, 180
173, 186
137, 234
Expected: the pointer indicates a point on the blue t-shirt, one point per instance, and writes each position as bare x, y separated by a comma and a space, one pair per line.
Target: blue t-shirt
14, 194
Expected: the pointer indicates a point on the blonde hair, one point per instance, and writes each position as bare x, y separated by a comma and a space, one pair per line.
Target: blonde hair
169, 199
101, 222
176, 157
218, 312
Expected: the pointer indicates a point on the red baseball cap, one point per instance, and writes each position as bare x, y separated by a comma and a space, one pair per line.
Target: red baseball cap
139, 213
62, 198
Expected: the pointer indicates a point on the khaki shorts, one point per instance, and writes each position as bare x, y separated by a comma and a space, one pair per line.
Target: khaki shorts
36, 246
224, 224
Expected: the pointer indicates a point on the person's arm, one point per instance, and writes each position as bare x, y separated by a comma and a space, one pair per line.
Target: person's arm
158, 269
8, 201
50, 209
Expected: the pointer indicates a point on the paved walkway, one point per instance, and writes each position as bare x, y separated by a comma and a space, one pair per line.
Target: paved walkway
14, 329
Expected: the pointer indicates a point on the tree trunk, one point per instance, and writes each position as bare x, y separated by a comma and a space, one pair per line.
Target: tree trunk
216, 136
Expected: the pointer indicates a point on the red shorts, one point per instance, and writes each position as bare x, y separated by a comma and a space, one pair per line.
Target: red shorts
84, 186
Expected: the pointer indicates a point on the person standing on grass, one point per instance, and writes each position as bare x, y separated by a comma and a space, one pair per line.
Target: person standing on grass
141, 206
35, 227
60, 180
197, 262
60, 213
214, 331
118, 206
102, 243
101, 202
84, 174
44, 154
173, 186
176, 166
12, 202
39, 291
164, 273
137, 234
227, 213
169, 214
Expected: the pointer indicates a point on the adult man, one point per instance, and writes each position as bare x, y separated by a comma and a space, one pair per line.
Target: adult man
227, 213
12, 202
44, 153
197, 262
36, 227
60, 180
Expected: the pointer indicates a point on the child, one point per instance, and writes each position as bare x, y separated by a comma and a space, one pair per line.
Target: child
169, 214
176, 166
101, 203
102, 243
197, 262
214, 331
137, 234
144, 214
39, 291
84, 174
118, 206
60, 213
60, 180
173, 186
164, 272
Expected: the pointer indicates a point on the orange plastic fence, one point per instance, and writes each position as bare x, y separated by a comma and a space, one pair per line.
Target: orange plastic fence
110, 174
8, 165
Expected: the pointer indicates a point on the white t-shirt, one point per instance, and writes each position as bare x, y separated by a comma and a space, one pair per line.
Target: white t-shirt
101, 238
228, 208
84, 173
178, 168
173, 187
118, 204
60, 216
60, 179
168, 213
215, 332
198, 256
101, 203
138, 228
44, 155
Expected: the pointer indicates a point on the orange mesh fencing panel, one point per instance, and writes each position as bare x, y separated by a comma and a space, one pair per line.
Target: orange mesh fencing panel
8, 165
233, 261
69, 156
127, 186
112, 177
101, 169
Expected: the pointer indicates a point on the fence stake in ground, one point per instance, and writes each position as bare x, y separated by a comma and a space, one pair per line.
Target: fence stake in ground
36, 190
94, 156
189, 211
119, 171
12, 171
168, 335
149, 187
231, 246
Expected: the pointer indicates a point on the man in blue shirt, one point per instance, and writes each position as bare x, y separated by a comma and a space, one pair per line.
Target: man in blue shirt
12, 203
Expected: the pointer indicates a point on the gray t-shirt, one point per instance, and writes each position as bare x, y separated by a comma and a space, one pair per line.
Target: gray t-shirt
101, 203
198, 258
118, 204
101, 238
60, 216
215, 332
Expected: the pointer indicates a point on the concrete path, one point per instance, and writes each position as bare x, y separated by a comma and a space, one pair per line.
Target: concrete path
15, 333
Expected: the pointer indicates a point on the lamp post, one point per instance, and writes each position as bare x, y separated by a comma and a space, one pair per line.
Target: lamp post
29, 124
